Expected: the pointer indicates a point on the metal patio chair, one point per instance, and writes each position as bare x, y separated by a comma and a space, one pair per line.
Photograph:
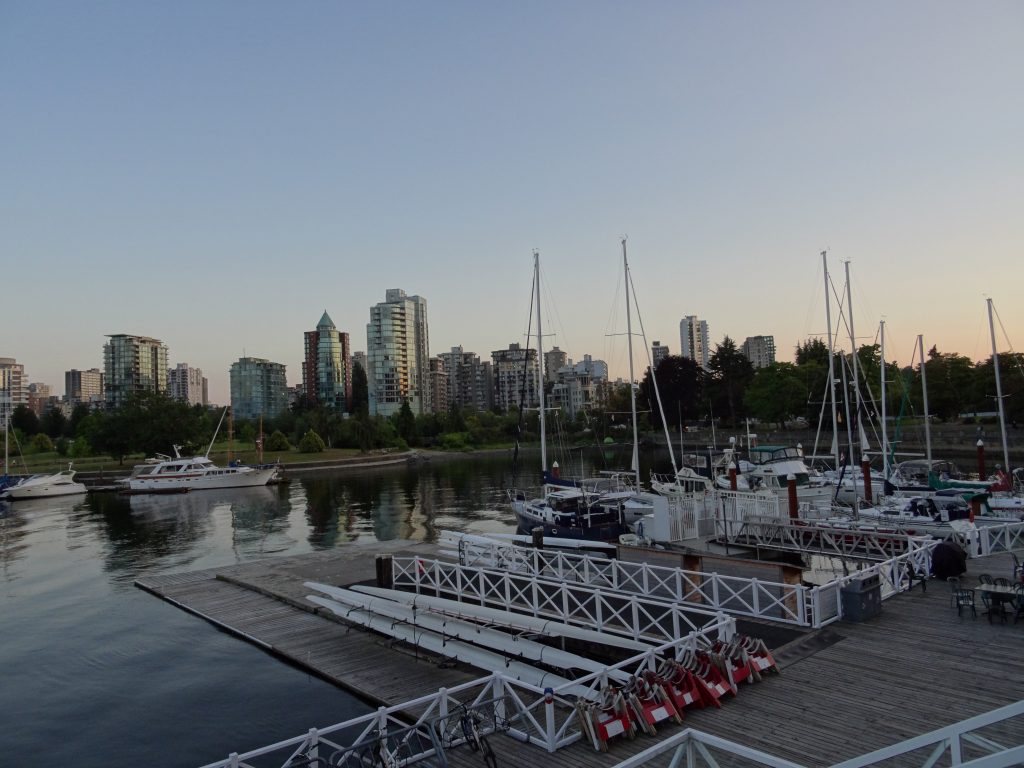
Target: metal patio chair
995, 605
984, 578
954, 587
965, 599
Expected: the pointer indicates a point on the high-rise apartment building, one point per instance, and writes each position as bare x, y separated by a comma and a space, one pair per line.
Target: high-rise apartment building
397, 351
659, 352
187, 384
515, 377
580, 387
83, 387
470, 381
693, 340
258, 388
38, 397
13, 390
554, 361
326, 368
131, 365
438, 386
760, 350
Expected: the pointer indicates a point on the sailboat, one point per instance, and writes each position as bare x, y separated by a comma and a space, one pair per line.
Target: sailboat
578, 510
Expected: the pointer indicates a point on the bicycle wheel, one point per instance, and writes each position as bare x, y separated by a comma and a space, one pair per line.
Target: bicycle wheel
490, 760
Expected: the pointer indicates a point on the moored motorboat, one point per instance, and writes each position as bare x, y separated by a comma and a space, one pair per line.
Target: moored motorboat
166, 475
44, 486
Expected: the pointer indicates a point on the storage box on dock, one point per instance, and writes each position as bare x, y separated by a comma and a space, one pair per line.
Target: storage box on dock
862, 598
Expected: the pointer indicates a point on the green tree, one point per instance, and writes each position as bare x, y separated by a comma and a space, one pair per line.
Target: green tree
730, 374
360, 391
25, 419
80, 448
79, 413
776, 394
681, 387
405, 423
54, 423
311, 442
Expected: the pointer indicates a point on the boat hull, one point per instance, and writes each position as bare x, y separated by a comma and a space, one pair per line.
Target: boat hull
598, 532
227, 478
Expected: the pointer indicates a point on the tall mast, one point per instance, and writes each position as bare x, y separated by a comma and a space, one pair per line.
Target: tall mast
632, 390
999, 390
924, 392
540, 365
885, 433
856, 380
831, 362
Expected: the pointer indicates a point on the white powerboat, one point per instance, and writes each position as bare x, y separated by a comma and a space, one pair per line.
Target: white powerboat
43, 486
166, 475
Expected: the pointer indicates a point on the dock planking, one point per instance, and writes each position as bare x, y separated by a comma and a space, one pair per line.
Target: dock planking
914, 668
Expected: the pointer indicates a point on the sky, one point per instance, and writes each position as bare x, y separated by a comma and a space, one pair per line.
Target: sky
217, 174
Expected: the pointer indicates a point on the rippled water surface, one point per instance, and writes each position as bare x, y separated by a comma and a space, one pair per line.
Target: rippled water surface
96, 672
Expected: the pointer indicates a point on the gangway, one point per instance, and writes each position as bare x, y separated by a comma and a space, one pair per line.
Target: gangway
828, 540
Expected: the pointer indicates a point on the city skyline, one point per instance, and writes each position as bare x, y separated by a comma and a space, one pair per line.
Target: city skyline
214, 177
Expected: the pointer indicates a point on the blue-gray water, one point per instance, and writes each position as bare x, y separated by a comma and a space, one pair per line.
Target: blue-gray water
96, 672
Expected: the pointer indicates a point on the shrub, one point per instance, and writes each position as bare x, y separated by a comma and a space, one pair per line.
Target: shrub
311, 442
80, 448
41, 444
277, 442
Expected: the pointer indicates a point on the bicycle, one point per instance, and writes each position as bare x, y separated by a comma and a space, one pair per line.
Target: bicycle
470, 721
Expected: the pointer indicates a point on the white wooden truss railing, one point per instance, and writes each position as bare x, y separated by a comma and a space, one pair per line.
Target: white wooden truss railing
545, 717
774, 601
640, 618
991, 740
757, 598
854, 543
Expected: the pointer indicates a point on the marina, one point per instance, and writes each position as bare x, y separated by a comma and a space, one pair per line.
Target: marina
843, 690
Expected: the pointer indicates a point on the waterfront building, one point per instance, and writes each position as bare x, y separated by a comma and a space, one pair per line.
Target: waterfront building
659, 352
38, 397
397, 351
470, 381
326, 370
554, 361
760, 350
580, 387
515, 377
187, 384
693, 340
438, 385
132, 365
258, 388
13, 391
588, 366
84, 387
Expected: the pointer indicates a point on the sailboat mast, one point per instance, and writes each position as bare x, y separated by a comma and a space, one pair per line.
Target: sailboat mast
885, 433
831, 361
540, 365
632, 389
999, 390
924, 393
856, 381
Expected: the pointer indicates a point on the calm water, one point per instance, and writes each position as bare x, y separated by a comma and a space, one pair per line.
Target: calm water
96, 672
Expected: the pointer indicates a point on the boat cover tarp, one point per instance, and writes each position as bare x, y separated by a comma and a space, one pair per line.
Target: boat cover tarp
948, 559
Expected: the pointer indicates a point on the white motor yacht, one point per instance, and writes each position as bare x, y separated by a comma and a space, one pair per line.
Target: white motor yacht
42, 486
166, 475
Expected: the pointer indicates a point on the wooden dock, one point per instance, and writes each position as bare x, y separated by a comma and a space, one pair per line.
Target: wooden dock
845, 690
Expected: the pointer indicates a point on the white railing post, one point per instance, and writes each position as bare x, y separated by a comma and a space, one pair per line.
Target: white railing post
549, 719
714, 591
314, 744
233, 760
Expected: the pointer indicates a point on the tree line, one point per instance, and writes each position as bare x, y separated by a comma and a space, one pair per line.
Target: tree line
728, 392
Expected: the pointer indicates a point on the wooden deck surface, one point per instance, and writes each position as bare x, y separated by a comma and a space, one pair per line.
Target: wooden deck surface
843, 691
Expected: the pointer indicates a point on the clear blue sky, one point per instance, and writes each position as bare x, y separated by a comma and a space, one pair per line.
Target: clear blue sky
216, 174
